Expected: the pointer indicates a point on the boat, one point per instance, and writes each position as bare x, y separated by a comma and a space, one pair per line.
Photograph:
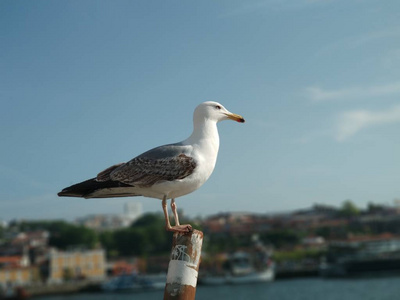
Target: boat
242, 268
362, 256
134, 282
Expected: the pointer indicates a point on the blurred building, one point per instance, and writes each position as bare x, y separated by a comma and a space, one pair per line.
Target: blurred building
3, 224
80, 264
17, 275
102, 222
16, 270
19, 258
132, 211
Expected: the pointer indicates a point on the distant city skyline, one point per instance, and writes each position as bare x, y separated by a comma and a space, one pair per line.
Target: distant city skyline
122, 213
86, 85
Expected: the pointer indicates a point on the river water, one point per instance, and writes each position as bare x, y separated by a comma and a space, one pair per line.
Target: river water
383, 288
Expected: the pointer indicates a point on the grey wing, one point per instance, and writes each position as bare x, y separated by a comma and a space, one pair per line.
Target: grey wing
144, 171
105, 175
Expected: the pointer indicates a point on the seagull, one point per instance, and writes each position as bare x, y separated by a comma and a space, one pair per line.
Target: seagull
165, 172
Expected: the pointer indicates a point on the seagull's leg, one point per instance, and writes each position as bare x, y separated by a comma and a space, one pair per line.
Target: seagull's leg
165, 209
174, 210
177, 227
181, 228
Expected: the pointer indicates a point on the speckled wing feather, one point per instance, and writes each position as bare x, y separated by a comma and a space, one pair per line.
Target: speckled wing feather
144, 172
105, 175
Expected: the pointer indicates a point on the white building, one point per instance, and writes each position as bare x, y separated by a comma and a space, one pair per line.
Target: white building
132, 211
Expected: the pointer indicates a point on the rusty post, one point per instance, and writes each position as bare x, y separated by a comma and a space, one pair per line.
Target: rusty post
183, 266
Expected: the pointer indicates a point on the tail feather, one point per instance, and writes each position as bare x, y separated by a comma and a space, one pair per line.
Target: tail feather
88, 189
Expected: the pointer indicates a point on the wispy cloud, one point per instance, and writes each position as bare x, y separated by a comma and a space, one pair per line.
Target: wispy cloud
318, 94
351, 122
374, 36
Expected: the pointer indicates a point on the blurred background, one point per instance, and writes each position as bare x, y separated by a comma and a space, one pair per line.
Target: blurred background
307, 188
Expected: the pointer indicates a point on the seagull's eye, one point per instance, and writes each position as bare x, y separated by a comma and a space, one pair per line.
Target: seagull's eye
217, 106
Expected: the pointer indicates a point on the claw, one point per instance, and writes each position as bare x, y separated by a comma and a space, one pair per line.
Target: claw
181, 228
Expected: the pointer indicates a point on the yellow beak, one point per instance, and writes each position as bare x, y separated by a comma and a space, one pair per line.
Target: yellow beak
235, 117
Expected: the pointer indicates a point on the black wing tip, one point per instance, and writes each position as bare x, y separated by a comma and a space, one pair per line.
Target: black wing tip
85, 189
65, 193
79, 190
68, 193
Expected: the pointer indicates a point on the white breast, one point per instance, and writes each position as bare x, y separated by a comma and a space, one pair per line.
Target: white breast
204, 143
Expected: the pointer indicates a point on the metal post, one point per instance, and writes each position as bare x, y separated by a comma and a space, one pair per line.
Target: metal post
183, 266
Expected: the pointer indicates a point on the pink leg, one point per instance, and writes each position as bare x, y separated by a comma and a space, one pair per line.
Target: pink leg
165, 209
177, 227
174, 210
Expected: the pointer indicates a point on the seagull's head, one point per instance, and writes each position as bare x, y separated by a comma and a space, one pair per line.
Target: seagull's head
216, 112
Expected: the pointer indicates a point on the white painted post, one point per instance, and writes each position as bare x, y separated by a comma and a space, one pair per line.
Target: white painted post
183, 266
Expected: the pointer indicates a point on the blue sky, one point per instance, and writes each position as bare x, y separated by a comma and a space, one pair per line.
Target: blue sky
87, 84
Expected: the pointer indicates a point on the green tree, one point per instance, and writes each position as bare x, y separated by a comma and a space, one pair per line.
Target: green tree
374, 208
349, 209
1, 232
282, 237
72, 235
130, 242
215, 243
63, 234
106, 239
148, 220
325, 231
157, 241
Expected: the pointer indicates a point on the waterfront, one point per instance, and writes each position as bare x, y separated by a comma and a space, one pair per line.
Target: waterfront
383, 288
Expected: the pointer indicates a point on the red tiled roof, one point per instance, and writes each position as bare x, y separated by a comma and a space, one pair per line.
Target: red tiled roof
10, 259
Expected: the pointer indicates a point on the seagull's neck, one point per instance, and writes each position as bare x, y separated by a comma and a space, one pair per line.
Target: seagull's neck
205, 135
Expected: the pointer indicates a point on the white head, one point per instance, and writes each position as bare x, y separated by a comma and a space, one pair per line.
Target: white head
214, 111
